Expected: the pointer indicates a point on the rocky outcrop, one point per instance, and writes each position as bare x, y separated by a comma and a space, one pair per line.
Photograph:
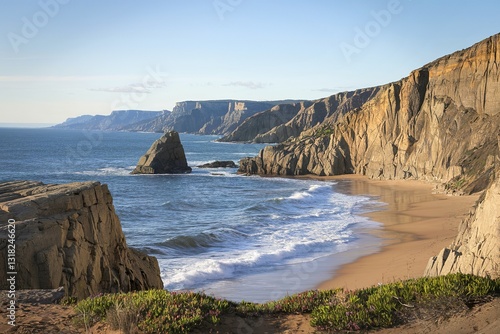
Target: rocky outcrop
476, 249
165, 156
261, 123
440, 123
219, 164
69, 236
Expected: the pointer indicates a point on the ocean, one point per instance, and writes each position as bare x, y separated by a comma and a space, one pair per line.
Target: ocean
236, 237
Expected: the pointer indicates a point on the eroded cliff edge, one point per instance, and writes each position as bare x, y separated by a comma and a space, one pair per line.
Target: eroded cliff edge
476, 249
69, 235
440, 123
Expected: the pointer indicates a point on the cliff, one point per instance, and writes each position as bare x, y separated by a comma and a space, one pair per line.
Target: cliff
289, 120
69, 235
205, 117
476, 249
116, 121
440, 123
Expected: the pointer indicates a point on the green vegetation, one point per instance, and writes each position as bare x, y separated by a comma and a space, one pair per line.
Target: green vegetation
323, 131
159, 311
154, 311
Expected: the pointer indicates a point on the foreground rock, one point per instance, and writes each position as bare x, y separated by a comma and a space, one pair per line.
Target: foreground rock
70, 236
219, 164
438, 124
166, 156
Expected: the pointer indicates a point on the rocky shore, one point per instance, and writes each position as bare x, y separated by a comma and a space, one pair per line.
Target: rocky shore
69, 236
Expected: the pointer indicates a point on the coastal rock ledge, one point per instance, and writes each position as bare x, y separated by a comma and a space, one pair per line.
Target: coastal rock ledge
165, 156
69, 235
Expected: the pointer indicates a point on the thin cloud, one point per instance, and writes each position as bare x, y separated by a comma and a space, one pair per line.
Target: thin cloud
146, 88
246, 84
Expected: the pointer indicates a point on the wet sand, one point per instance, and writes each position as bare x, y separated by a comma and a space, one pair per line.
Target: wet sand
417, 224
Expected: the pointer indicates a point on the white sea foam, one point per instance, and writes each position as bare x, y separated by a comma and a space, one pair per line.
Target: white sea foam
108, 171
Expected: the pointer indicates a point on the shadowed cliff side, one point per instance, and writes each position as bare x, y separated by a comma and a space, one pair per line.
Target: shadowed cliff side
476, 249
440, 123
69, 235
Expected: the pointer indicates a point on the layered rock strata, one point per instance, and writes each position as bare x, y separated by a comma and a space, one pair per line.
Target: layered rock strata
476, 249
440, 123
165, 156
69, 236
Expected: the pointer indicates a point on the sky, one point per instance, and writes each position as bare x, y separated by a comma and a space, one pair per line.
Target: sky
64, 58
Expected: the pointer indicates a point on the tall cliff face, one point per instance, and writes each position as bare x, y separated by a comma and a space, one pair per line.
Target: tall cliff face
69, 235
476, 249
440, 123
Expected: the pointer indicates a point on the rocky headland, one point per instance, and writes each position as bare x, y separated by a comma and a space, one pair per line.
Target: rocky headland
165, 156
118, 120
69, 236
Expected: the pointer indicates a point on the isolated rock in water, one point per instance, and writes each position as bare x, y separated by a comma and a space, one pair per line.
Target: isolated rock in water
69, 236
219, 164
166, 156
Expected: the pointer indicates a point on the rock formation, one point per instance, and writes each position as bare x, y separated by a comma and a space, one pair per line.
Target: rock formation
69, 235
289, 120
440, 124
219, 164
476, 249
165, 156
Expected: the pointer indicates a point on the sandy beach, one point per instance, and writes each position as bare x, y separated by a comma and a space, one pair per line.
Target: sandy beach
416, 225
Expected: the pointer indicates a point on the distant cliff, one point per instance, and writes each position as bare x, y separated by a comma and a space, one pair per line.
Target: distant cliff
205, 117
440, 123
69, 235
218, 117
290, 120
117, 121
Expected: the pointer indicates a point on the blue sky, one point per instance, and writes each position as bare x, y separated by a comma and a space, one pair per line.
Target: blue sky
63, 58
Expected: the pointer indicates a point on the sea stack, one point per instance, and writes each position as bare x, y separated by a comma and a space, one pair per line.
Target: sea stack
165, 156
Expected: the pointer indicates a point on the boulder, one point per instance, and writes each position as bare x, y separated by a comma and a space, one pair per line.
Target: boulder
219, 164
69, 236
165, 156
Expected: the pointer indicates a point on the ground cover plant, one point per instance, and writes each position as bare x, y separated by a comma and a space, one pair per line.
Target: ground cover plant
388, 305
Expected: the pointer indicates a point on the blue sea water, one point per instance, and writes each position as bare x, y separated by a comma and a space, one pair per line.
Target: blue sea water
233, 236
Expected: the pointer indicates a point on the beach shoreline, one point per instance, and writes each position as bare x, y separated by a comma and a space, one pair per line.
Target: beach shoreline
416, 224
